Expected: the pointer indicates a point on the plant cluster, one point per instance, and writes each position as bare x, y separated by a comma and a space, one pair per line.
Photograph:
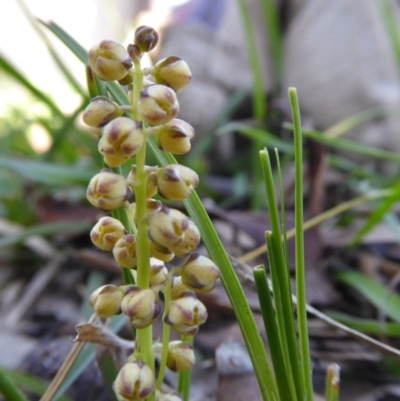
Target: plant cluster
145, 234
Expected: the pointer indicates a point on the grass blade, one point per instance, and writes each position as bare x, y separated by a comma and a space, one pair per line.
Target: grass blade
8, 389
305, 360
380, 296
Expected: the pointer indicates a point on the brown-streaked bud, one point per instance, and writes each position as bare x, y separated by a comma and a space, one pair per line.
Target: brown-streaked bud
146, 38
185, 330
107, 190
100, 111
124, 251
106, 301
106, 233
167, 227
151, 180
199, 273
180, 356
190, 242
157, 105
127, 80
167, 397
142, 306
135, 381
175, 136
158, 272
187, 311
173, 72
161, 252
178, 289
176, 182
122, 138
110, 61
96, 131
134, 52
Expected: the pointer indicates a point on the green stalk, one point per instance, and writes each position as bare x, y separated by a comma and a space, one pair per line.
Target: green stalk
184, 378
332, 383
283, 378
304, 345
144, 336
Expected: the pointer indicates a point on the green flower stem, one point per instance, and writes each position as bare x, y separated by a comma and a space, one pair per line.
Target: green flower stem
299, 250
137, 87
184, 379
332, 383
166, 332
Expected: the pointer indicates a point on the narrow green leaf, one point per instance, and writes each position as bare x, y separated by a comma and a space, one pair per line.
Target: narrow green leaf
378, 214
30, 383
12, 71
109, 371
8, 388
350, 146
368, 326
48, 173
44, 230
381, 297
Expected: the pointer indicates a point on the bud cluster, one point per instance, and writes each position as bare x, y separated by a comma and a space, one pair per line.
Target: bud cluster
167, 231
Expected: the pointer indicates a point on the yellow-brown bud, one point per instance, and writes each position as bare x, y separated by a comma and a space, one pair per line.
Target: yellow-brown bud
100, 111
151, 180
107, 190
167, 397
187, 311
176, 182
106, 301
180, 356
173, 72
146, 38
199, 273
167, 227
158, 272
174, 137
190, 241
178, 289
157, 105
142, 306
125, 251
110, 61
122, 138
135, 381
106, 233
161, 252
96, 131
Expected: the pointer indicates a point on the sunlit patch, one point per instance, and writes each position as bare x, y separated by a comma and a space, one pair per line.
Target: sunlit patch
38, 138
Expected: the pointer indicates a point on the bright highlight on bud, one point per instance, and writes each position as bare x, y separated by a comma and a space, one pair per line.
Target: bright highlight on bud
110, 61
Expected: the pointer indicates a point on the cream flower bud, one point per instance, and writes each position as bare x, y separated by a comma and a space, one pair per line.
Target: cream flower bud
146, 38
180, 356
96, 131
106, 233
199, 273
161, 252
187, 311
122, 138
100, 111
151, 180
176, 182
158, 272
109, 60
125, 251
167, 397
157, 105
135, 381
142, 306
167, 227
174, 137
190, 241
106, 301
173, 72
179, 290
107, 190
